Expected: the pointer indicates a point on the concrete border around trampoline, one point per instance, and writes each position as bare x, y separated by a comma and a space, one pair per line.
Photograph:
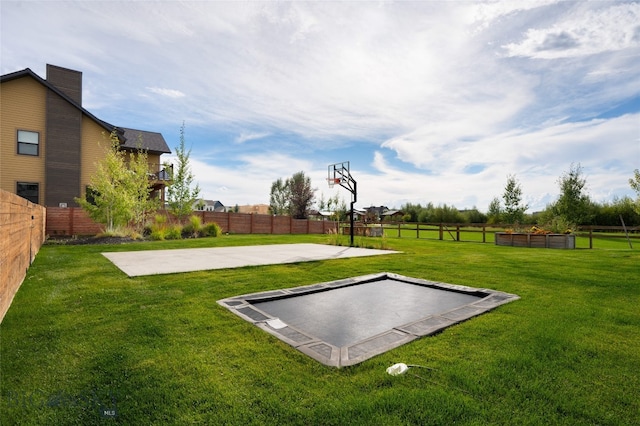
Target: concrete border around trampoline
354, 353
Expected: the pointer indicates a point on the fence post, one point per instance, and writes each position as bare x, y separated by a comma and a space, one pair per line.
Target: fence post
441, 233
71, 214
457, 232
484, 234
591, 237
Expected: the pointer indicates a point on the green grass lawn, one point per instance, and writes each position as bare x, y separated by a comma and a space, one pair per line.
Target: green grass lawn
81, 337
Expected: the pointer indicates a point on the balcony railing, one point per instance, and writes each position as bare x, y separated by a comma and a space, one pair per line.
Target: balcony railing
160, 172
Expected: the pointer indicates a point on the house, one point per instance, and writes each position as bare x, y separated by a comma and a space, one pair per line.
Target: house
392, 215
50, 145
254, 209
209, 206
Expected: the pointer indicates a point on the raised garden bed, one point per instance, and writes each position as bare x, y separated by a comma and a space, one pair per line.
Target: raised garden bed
521, 239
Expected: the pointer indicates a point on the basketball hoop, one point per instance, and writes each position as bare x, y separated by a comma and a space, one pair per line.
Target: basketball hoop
333, 181
338, 173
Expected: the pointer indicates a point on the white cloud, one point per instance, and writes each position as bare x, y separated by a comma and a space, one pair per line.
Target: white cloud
441, 99
250, 136
608, 28
169, 93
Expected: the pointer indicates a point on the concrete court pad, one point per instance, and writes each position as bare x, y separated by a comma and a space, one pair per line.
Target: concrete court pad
153, 262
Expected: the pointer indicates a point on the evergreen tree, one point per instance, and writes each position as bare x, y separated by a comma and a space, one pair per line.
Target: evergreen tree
181, 194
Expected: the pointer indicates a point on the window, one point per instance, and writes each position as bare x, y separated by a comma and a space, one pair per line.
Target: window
28, 142
28, 190
91, 195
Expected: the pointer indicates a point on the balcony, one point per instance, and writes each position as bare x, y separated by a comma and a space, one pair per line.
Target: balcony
159, 179
160, 173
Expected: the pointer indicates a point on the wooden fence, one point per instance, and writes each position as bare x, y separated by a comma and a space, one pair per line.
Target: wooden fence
486, 233
22, 232
75, 221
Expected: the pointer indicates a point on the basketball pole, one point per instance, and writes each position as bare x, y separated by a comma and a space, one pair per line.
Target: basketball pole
355, 197
346, 181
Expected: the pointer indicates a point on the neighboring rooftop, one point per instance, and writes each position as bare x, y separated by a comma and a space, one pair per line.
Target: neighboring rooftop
152, 141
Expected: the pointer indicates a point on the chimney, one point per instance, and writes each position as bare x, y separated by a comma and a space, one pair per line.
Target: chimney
67, 81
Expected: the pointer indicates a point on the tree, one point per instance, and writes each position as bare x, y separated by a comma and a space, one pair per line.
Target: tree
180, 194
279, 198
334, 204
635, 185
494, 215
139, 187
512, 196
301, 195
340, 211
293, 196
411, 212
573, 205
474, 215
118, 193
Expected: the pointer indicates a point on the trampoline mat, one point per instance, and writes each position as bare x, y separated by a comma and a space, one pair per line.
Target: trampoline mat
344, 322
350, 314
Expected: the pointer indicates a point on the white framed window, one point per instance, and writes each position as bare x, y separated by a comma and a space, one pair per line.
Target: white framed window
28, 142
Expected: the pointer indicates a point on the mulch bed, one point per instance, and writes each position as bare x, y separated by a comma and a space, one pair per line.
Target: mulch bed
88, 240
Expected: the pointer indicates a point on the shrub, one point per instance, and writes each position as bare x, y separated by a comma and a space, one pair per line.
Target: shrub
119, 231
158, 229
174, 232
211, 230
157, 234
193, 228
335, 237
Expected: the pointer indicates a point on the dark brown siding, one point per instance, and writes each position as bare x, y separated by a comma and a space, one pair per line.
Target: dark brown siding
62, 159
67, 81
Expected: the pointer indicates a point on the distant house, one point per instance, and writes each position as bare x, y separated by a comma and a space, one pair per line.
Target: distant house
392, 215
254, 209
373, 214
209, 206
320, 214
382, 213
50, 145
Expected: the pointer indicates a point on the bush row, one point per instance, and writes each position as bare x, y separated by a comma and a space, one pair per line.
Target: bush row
160, 229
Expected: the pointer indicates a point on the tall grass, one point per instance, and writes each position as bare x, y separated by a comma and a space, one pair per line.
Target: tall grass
82, 338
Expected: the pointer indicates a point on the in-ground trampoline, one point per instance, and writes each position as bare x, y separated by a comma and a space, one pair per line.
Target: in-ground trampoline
345, 322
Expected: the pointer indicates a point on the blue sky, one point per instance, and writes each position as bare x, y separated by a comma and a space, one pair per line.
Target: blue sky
430, 101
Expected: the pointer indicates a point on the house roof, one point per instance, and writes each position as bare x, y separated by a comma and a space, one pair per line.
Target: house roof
154, 141
28, 73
